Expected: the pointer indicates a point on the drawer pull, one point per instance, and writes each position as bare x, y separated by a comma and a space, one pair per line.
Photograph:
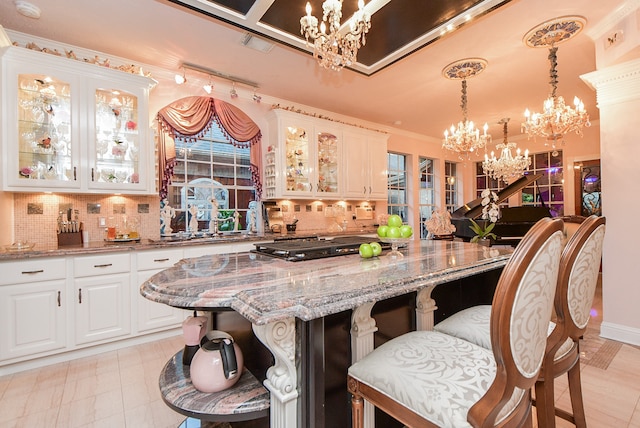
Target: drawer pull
103, 266
161, 260
32, 272
80, 295
58, 298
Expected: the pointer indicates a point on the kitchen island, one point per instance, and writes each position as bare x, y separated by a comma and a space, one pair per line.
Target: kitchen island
284, 301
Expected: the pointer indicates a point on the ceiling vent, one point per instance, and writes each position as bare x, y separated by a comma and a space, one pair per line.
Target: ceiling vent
256, 43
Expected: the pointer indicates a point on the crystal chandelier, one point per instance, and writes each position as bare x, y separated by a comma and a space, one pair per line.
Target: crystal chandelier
507, 166
557, 118
465, 138
335, 49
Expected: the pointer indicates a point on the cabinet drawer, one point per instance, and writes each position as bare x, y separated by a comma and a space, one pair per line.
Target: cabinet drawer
34, 270
158, 259
101, 265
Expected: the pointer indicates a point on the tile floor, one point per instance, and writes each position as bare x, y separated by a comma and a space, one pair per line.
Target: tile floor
120, 388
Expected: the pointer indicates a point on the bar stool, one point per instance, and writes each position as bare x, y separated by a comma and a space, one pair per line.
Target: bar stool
426, 378
579, 270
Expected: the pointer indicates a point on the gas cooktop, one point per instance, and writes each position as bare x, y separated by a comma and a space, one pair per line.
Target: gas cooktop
310, 248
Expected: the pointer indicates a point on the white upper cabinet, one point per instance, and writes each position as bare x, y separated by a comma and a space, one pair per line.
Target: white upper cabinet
312, 158
71, 126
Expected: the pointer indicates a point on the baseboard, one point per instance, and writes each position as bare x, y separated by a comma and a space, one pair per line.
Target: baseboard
620, 333
86, 352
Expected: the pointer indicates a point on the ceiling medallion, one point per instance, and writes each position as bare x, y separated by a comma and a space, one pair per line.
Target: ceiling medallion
557, 119
465, 138
339, 47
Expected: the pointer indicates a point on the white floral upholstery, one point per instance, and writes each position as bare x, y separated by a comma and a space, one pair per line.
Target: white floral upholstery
436, 375
471, 324
584, 277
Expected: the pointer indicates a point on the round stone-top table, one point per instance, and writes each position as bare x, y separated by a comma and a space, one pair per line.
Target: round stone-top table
246, 400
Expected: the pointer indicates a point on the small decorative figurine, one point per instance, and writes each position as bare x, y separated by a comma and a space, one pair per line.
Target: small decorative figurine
167, 212
193, 220
213, 223
236, 220
440, 224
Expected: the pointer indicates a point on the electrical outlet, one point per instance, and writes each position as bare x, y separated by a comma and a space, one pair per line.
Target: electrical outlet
102, 222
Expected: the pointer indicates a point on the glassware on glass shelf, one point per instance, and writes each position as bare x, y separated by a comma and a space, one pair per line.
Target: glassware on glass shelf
112, 226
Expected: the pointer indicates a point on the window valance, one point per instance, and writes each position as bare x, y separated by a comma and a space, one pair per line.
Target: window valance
190, 118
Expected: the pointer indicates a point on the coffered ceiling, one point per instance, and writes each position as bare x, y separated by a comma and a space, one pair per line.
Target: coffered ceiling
401, 26
398, 81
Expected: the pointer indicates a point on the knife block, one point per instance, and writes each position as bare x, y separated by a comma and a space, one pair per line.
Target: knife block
66, 239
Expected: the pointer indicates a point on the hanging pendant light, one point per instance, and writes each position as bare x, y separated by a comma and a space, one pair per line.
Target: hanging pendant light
507, 166
556, 119
465, 138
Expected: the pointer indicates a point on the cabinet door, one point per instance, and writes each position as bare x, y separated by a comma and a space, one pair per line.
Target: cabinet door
102, 309
119, 153
153, 315
297, 138
33, 318
356, 177
378, 182
40, 119
328, 152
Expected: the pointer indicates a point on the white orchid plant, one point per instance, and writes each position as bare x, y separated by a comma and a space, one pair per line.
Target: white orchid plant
490, 211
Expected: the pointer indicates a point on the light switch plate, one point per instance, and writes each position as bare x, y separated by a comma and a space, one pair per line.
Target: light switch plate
102, 222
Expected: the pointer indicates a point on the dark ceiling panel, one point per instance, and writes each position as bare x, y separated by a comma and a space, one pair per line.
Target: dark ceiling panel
241, 6
400, 22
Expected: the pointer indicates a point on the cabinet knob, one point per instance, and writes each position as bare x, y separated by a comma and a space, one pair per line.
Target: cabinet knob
32, 272
58, 298
103, 266
161, 260
80, 295
74, 174
92, 177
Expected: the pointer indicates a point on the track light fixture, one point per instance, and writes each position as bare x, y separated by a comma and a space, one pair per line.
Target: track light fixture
181, 78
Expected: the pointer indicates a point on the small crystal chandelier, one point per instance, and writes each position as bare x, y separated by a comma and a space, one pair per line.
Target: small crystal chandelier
508, 166
337, 49
466, 138
557, 118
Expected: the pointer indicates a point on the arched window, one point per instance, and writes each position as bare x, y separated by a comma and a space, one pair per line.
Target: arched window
209, 149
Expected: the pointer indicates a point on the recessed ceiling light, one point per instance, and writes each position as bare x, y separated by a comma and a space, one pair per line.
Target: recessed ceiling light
27, 9
256, 43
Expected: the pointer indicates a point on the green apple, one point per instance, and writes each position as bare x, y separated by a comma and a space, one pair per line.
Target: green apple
394, 220
365, 251
377, 248
383, 230
406, 231
394, 232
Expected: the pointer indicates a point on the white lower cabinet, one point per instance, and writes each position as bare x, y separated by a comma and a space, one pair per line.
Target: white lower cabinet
152, 315
102, 300
33, 308
33, 318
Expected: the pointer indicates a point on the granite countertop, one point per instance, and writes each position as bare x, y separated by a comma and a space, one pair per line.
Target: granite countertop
96, 247
265, 289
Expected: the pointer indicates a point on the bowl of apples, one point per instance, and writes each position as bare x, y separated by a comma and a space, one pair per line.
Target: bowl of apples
395, 233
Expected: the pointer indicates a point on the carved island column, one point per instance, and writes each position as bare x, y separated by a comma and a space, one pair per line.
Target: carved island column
279, 338
425, 307
362, 329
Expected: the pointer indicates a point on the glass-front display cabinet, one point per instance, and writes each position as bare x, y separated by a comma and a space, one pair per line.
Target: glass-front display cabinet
303, 159
70, 126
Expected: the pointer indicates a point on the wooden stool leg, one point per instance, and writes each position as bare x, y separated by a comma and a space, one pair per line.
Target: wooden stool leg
575, 390
545, 402
357, 411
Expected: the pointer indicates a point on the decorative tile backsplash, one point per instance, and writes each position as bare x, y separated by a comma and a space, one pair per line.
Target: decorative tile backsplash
36, 214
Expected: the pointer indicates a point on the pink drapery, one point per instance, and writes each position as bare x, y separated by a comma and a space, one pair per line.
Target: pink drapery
190, 118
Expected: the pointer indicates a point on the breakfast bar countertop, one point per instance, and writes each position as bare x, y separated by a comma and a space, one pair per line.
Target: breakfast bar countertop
265, 289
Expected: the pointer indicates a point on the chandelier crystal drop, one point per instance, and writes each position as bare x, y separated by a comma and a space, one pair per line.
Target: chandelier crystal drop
465, 138
507, 166
334, 48
557, 118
